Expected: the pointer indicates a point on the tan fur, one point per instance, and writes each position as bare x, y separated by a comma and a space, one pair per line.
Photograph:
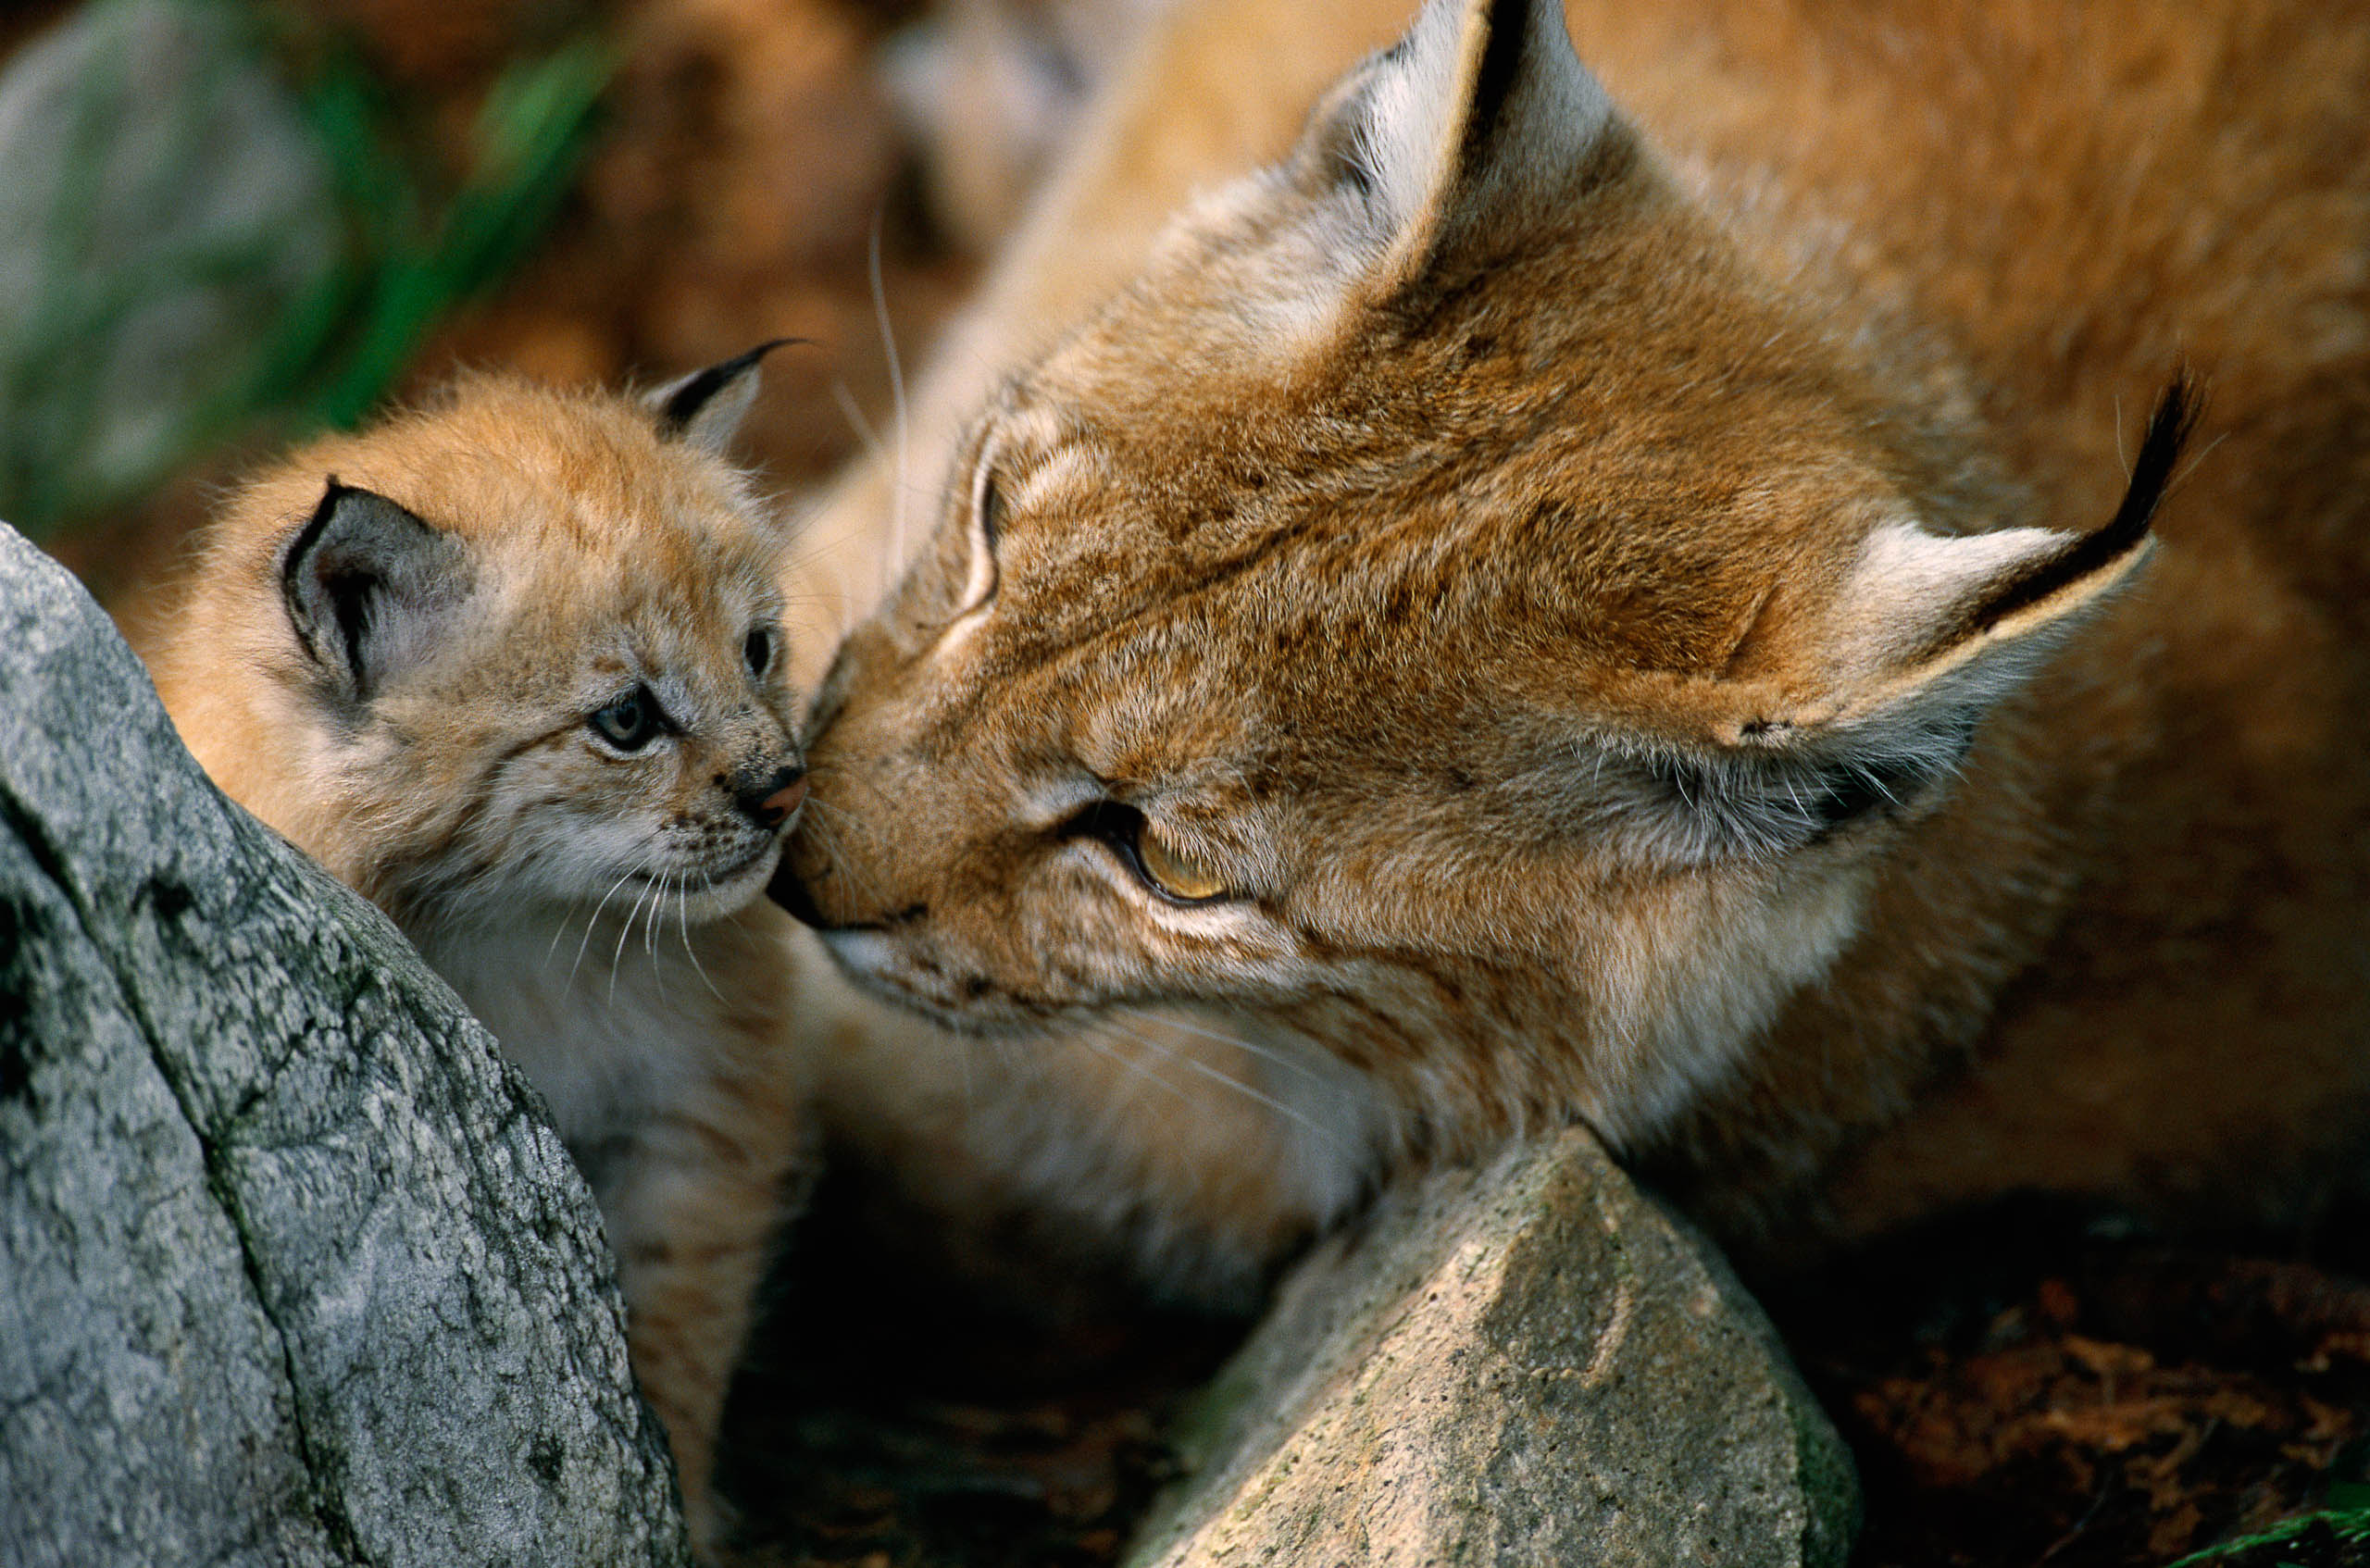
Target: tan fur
1412, 550
466, 796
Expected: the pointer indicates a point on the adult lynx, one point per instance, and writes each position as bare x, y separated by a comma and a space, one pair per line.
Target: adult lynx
1641, 605
511, 666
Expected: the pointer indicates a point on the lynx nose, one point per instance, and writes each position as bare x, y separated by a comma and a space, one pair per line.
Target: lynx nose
770, 801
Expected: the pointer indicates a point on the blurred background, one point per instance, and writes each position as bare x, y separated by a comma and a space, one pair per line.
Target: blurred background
225, 224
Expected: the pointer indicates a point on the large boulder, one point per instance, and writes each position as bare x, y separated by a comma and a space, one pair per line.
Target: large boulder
1531, 1363
293, 1270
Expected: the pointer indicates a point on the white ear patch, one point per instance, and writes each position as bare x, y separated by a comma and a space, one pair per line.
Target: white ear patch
1411, 110
1481, 105
1908, 582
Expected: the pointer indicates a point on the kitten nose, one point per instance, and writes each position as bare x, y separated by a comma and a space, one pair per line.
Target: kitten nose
770, 801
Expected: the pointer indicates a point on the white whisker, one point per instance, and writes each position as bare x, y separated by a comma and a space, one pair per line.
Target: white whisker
625, 932
650, 927
1105, 1049
650, 933
684, 909
854, 411
594, 919
897, 398
1264, 1052
1256, 1096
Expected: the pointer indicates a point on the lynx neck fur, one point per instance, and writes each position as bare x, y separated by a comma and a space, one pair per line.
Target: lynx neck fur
1679, 597
511, 665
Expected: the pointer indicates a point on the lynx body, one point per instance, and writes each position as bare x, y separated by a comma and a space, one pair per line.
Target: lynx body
1635, 599
511, 666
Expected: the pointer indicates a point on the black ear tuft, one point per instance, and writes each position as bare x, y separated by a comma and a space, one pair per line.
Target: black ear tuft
366, 584
2179, 408
706, 406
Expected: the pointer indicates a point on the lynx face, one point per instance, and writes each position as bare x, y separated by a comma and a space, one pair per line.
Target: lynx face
1452, 606
523, 653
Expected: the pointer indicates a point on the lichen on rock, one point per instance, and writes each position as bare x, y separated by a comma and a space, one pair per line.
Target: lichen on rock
293, 1270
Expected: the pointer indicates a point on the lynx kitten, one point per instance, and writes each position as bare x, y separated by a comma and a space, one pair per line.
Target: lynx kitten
511, 666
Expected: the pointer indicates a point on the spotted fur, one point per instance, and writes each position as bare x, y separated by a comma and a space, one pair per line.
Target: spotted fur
399, 650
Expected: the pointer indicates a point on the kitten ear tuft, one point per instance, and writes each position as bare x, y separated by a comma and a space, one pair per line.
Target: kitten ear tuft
1479, 118
705, 407
368, 586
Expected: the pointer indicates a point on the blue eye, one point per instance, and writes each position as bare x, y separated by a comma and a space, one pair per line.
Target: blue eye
632, 721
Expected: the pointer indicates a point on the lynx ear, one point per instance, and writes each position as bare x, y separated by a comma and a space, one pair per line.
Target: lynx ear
705, 407
1479, 118
1927, 633
368, 587
1921, 613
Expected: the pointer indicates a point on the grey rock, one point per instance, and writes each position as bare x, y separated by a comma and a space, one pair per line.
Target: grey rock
291, 1268
1530, 1363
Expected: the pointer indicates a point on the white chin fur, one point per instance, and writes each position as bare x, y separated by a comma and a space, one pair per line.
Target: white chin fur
729, 895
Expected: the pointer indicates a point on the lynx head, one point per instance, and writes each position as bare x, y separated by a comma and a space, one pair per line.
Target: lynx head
518, 648
1453, 604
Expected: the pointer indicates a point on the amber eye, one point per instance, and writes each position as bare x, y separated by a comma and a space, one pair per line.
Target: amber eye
631, 722
1175, 874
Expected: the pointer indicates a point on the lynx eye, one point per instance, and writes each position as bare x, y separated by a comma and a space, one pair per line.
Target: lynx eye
631, 722
1175, 874
1182, 876
757, 651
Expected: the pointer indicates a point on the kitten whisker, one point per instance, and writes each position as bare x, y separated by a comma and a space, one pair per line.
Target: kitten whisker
853, 412
625, 934
684, 909
594, 919
649, 931
650, 927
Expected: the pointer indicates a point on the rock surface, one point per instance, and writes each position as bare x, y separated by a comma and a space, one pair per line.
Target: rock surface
292, 1270
1533, 1362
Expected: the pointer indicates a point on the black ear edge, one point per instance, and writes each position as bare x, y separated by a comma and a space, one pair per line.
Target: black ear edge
1511, 31
293, 562
683, 404
1338, 136
2179, 408
347, 595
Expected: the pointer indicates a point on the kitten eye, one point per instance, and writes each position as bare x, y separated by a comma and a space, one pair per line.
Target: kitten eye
1173, 873
631, 722
757, 652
